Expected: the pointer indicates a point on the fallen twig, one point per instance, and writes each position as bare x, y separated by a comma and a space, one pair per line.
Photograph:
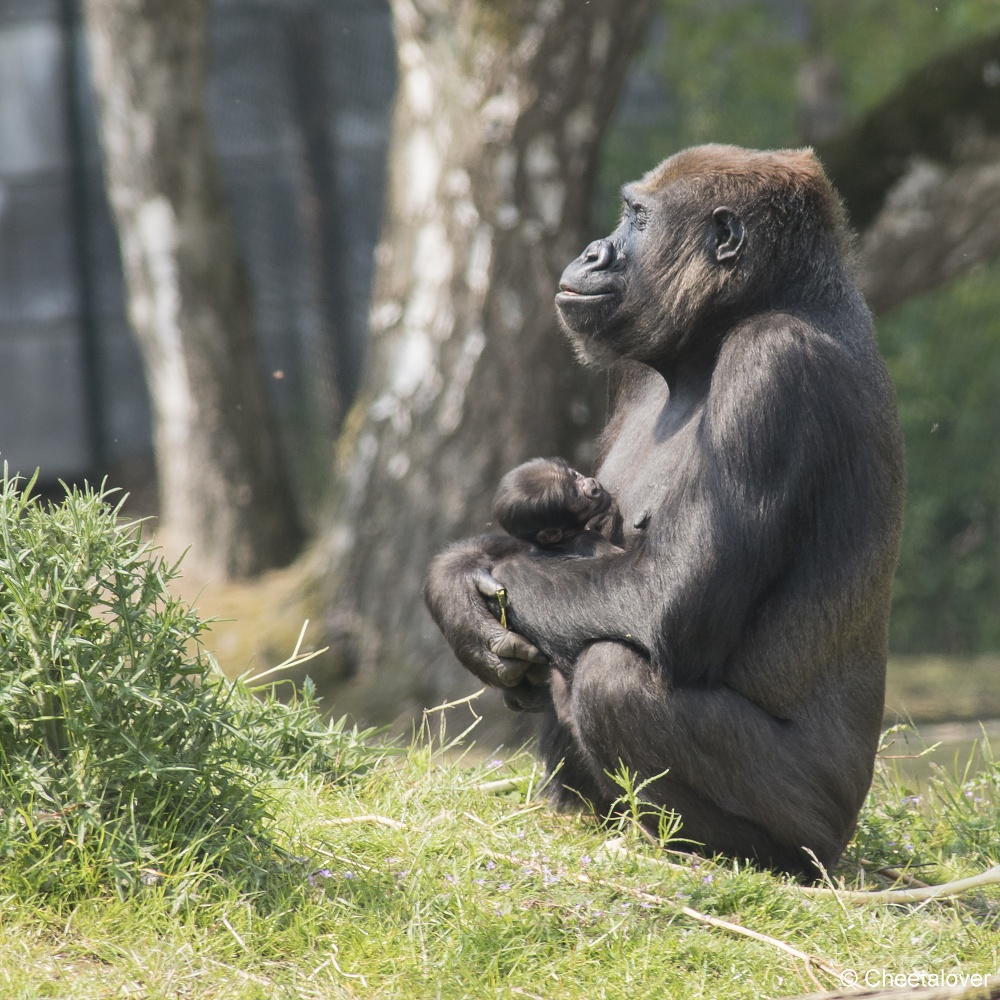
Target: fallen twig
915, 894
295, 660
919, 892
444, 706
895, 875
503, 785
617, 846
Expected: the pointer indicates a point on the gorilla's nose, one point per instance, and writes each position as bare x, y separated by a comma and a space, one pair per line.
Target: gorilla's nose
599, 255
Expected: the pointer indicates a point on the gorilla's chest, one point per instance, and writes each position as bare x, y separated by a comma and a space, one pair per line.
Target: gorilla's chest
647, 458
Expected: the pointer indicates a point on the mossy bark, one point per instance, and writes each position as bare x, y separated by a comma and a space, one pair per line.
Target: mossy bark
494, 152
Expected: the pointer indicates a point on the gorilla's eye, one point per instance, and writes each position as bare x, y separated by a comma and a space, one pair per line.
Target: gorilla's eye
639, 214
634, 212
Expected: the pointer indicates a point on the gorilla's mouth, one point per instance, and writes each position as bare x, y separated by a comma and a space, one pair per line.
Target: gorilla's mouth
604, 502
565, 294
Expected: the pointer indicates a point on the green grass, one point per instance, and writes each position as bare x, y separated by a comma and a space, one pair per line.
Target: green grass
165, 832
414, 881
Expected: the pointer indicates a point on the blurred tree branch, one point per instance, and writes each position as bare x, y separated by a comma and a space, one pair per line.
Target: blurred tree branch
920, 175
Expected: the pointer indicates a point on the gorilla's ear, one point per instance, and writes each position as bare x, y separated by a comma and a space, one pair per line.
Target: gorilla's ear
549, 536
728, 234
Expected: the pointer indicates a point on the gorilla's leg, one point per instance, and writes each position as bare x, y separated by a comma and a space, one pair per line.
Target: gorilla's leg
744, 783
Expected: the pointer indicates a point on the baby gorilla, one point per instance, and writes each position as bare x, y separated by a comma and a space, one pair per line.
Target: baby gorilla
549, 504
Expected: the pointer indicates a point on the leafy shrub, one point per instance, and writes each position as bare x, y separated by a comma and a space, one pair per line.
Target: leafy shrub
123, 749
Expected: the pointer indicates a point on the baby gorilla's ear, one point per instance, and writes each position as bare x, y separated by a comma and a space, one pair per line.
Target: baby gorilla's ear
549, 536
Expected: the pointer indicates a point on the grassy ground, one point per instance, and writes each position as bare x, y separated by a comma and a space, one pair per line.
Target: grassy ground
426, 877
166, 833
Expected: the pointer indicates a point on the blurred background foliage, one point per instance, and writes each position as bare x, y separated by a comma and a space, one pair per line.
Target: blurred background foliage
944, 354
726, 68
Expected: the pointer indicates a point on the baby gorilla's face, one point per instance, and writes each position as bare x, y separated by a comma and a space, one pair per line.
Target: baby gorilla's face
584, 496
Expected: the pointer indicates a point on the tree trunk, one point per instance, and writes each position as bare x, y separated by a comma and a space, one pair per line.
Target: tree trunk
223, 490
500, 110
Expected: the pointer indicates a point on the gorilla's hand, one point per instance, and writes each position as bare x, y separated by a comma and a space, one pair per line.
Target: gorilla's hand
465, 601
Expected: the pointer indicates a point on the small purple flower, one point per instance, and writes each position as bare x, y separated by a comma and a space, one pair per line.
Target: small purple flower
585, 860
708, 880
450, 879
490, 865
349, 875
322, 873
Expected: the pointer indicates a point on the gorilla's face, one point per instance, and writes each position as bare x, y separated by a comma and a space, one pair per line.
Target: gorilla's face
641, 292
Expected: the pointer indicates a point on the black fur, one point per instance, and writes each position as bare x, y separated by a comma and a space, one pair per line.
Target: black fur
738, 642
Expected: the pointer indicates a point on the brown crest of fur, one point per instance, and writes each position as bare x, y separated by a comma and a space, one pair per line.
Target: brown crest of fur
743, 175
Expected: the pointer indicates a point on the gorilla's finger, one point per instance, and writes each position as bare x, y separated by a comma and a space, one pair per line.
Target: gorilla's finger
512, 646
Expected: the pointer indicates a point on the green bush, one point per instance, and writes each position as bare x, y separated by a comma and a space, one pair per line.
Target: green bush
123, 749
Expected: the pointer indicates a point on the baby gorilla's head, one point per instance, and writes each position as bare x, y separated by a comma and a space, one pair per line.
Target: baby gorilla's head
544, 501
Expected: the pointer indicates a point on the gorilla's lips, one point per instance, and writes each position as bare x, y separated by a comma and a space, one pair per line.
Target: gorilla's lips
569, 295
583, 310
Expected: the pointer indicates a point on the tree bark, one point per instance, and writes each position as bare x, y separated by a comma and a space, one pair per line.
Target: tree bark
500, 110
222, 486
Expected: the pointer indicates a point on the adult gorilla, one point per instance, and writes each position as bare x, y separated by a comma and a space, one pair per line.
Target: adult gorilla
739, 642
